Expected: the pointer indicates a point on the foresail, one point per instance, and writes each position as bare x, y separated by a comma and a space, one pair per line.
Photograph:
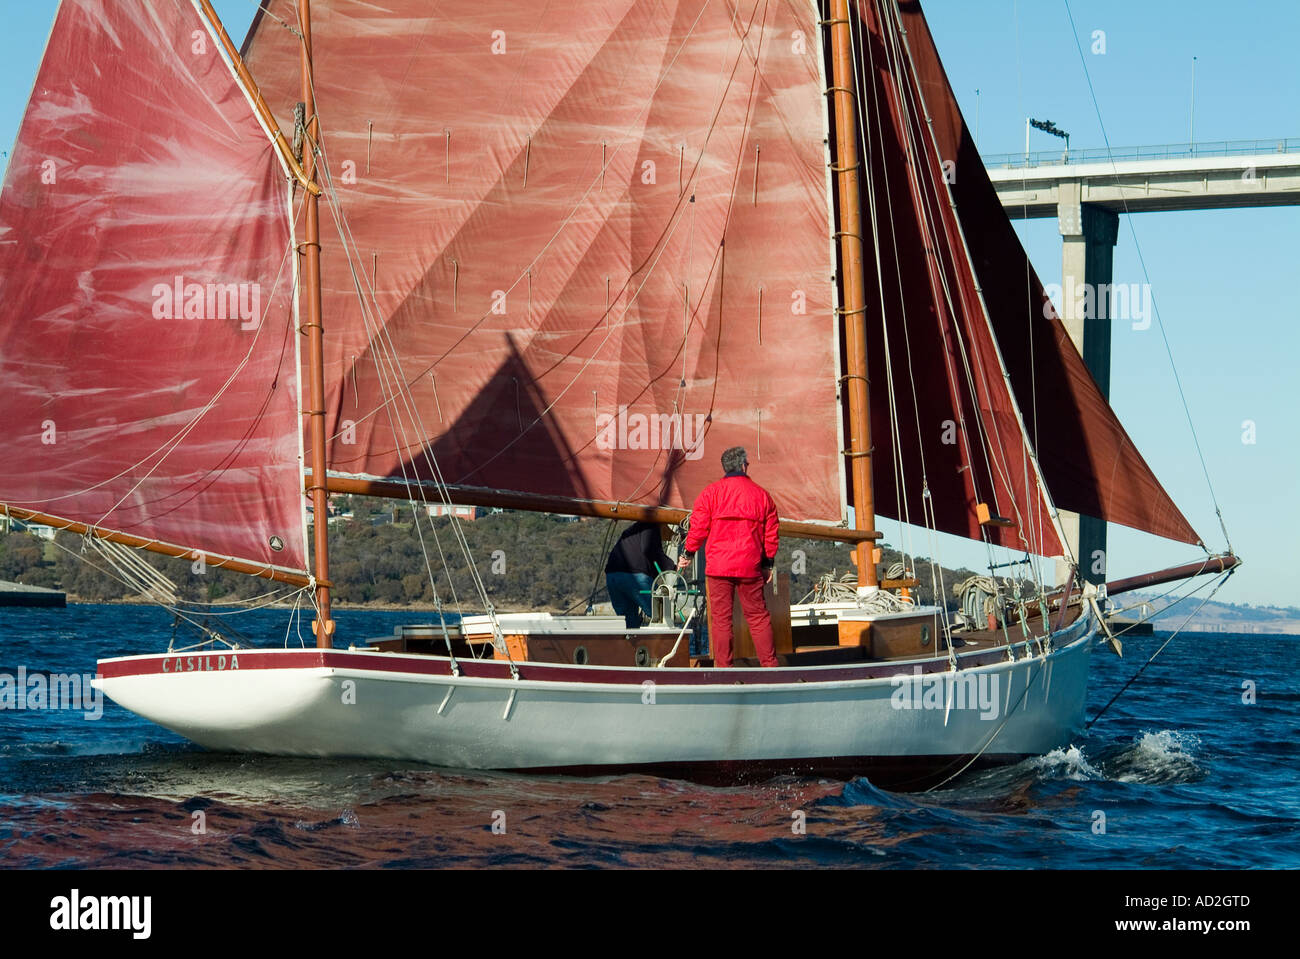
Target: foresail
147, 346
944, 423
1088, 460
598, 239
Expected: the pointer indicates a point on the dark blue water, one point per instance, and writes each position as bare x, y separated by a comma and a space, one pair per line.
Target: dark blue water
1185, 774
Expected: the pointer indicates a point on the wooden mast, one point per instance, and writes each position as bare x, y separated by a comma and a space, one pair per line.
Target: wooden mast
853, 283
323, 627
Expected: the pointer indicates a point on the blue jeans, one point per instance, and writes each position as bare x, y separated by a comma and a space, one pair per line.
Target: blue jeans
699, 637
630, 594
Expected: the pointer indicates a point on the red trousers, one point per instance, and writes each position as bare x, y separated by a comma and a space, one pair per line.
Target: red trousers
751, 602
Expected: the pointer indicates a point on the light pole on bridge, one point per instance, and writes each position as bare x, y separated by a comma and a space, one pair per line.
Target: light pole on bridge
1047, 126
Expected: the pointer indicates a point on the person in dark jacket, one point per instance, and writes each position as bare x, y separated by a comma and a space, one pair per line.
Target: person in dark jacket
633, 563
738, 519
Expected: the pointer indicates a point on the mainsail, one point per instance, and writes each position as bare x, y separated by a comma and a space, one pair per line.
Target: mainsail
577, 242
597, 236
147, 346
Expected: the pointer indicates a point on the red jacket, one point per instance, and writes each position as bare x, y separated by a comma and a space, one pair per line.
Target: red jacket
738, 518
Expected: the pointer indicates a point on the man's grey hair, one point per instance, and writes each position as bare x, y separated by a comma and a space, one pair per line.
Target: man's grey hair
734, 460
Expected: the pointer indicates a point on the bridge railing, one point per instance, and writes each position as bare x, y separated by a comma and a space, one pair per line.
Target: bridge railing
1209, 148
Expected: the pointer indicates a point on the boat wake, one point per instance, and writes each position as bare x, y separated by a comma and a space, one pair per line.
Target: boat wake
1152, 758
1067, 763
1157, 758
107, 747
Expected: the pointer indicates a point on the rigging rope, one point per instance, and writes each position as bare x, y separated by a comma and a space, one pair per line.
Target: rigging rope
913, 106
578, 205
895, 424
1132, 679
131, 569
385, 351
939, 285
1160, 324
601, 559
380, 337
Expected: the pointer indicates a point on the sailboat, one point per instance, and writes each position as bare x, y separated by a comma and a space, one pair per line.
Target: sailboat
552, 258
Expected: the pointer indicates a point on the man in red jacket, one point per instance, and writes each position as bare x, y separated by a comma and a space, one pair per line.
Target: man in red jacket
738, 519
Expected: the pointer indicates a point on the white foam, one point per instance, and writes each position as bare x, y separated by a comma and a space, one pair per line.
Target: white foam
1069, 763
1160, 755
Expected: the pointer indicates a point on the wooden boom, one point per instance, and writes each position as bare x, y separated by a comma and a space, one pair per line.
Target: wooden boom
154, 546
477, 496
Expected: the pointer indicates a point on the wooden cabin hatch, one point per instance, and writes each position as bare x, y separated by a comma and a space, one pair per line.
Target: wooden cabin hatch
893, 636
642, 649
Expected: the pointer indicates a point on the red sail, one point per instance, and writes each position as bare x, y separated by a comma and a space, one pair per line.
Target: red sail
146, 339
599, 238
1089, 463
933, 362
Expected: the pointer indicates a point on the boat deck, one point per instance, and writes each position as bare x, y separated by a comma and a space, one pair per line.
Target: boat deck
595, 643
816, 646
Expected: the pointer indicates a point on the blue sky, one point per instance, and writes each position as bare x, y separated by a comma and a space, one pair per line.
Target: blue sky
1225, 282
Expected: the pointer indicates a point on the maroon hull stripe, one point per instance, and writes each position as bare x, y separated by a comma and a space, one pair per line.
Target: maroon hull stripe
492, 669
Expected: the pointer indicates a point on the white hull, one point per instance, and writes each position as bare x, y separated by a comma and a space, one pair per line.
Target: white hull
399, 707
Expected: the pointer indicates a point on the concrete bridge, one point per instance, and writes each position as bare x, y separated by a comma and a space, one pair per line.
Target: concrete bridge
1199, 176
1087, 190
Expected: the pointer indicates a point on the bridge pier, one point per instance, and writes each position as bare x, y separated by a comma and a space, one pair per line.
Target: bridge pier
1088, 235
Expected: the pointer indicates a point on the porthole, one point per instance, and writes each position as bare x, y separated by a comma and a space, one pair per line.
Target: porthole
580, 656
642, 656
925, 635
